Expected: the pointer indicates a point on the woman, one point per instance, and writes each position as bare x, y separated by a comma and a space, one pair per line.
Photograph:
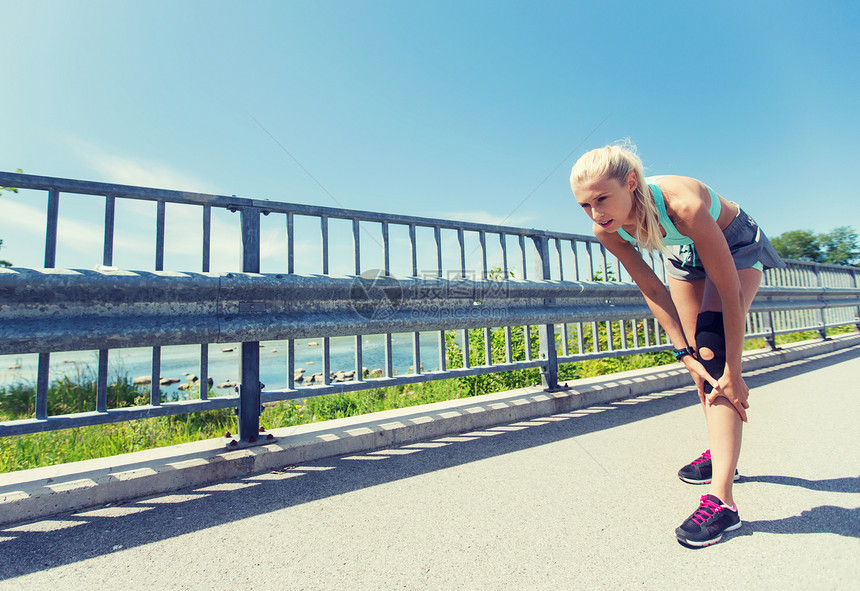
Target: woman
715, 254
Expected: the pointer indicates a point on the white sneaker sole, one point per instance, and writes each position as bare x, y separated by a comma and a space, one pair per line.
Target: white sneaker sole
711, 542
691, 481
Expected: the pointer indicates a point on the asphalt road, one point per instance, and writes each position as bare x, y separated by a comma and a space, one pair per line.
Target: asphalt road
582, 500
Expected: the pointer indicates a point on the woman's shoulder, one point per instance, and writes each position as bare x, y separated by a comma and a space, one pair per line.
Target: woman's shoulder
682, 194
672, 180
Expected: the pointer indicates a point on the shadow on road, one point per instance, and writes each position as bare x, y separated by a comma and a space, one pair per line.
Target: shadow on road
843, 485
826, 519
77, 536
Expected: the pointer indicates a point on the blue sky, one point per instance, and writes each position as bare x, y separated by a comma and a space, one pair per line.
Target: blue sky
470, 110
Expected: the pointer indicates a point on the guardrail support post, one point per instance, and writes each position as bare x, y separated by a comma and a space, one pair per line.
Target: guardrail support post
855, 275
819, 314
546, 332
249, 391
767, 320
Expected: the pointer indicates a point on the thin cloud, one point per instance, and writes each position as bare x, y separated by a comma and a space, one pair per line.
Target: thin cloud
113, 168
485, 217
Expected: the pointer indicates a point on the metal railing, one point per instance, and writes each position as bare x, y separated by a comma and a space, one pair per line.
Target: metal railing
431, 277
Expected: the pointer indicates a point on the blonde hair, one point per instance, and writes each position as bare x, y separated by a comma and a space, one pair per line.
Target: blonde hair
617, 161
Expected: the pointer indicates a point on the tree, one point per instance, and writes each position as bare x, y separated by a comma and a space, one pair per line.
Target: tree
837, 247
840, 246
801, 245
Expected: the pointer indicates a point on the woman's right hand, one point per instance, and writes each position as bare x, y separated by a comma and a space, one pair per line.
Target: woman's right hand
700, 376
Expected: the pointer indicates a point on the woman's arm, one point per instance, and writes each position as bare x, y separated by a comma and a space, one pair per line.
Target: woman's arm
657, 297
687, 204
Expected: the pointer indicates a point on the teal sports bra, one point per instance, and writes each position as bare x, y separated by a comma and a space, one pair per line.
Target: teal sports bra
673, 236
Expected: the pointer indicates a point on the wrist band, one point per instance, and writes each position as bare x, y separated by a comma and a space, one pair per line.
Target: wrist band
681, 353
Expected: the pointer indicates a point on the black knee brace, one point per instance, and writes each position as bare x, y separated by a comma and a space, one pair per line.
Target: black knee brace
710, 334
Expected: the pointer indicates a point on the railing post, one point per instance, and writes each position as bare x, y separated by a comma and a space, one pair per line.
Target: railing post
546, 332
855, 275
819, 314
767, 320
249, 390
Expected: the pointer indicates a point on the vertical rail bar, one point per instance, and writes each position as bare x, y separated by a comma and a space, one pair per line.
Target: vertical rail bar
527, 336
503, 241
565, 345
102, 381
155, 390
206, 251
635, 333
416, 352
416, 336
646, 332
359, 358
590, 260
291, 364
107, 253
249, 391
546, 332
560, 259
819, 313
443, 354
160, 215
467, 358
44, 367
522, 241
207, 240
413, 250
359, 340
580, 345
386, 250
462, 246
356, 246
437, 236
603, 265
482, 241
291, 244
324, 238
389, 358
855, 278
488, 333
203, 382
42, 383
326, 368
53, 215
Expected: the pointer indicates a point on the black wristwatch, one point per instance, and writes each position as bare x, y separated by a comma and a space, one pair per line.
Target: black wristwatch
681, 353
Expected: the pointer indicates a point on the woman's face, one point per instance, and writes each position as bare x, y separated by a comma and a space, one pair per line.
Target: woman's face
608, 202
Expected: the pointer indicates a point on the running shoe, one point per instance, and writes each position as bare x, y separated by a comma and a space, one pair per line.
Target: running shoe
699, 470
707, 524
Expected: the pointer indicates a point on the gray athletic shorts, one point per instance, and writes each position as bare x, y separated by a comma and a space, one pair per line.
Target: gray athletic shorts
749, 246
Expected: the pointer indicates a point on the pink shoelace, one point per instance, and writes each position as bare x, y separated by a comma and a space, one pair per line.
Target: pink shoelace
702, 458
707, 509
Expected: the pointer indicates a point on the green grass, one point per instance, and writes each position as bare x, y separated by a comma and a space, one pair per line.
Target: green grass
21, 452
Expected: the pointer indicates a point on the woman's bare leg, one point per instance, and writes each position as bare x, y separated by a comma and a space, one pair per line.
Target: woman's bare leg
724, 424
687, 297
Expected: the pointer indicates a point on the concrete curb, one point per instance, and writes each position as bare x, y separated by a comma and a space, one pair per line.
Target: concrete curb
40, 492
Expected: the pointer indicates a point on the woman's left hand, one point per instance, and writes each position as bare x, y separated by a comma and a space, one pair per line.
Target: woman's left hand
734, 389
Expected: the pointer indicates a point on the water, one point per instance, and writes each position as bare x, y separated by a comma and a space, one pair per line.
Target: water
184, 360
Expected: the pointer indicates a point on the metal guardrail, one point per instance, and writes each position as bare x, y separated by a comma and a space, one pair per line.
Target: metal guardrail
48, 310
